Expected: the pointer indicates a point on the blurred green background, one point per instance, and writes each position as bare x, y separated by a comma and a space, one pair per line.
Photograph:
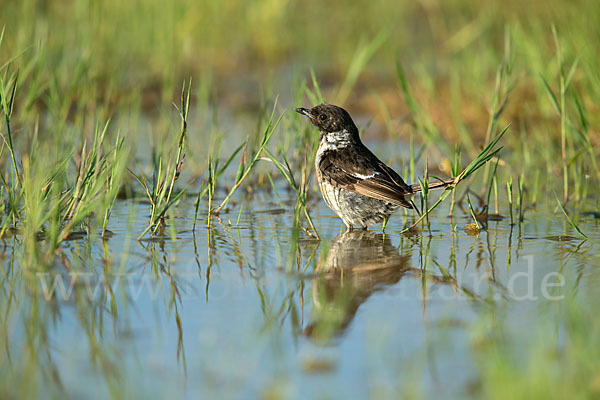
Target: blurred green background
450, 50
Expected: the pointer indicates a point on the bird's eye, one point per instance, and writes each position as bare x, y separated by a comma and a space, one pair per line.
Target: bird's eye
322, 117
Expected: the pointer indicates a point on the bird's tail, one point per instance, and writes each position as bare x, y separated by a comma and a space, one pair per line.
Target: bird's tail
416, 188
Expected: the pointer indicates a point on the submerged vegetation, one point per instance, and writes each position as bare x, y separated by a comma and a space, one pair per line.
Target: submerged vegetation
502, 98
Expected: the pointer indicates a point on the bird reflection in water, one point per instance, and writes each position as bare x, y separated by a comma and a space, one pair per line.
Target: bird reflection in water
357, 264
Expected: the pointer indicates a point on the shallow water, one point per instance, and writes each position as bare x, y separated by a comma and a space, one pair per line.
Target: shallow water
253, 307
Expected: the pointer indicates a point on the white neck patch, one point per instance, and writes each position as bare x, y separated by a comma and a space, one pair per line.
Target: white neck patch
340, 138
333, 141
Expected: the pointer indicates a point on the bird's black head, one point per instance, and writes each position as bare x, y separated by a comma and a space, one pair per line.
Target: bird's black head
329, 118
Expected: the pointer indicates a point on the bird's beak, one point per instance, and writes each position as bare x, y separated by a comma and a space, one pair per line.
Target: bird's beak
303, 111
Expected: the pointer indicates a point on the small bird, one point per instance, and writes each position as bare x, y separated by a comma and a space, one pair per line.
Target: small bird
355, 184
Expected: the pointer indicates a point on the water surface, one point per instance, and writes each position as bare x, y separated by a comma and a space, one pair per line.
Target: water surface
252, 307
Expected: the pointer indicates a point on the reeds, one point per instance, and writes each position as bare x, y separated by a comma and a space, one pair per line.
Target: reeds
245, 169
568, 218
489, 152
49, 196
8, 89
159, 190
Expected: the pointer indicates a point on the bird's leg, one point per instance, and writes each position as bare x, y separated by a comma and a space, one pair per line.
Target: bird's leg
365, 228
349, 227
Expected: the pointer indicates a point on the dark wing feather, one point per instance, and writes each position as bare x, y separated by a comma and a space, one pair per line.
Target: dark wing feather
360, 171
